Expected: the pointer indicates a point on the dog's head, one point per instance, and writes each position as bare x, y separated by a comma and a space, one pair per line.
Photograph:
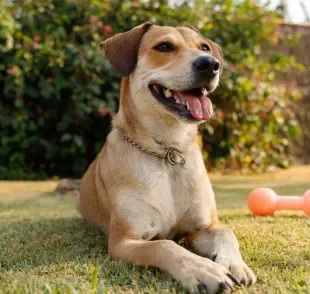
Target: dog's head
175, 68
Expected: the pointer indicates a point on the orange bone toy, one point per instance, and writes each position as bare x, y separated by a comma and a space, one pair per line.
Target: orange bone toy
264, 201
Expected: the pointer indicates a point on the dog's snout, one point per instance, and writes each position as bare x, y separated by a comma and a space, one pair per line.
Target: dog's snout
206, 64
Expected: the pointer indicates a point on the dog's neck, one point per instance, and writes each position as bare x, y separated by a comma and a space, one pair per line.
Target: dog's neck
151, 128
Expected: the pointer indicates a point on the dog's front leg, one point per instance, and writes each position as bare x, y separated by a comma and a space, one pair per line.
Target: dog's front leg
222, 246
193, 271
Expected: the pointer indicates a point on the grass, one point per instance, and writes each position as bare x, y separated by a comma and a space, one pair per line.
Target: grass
45, 246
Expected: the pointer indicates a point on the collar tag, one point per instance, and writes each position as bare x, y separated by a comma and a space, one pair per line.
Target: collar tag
174, 156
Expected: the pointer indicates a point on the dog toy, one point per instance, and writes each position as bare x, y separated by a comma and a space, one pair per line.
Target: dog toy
264, 201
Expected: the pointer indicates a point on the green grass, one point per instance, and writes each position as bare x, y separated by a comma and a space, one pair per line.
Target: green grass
45, 246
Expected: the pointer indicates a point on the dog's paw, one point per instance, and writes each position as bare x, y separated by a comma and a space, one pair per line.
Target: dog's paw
204, 276
238, 269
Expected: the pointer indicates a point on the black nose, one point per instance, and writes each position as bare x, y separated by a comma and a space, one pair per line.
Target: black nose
207, 64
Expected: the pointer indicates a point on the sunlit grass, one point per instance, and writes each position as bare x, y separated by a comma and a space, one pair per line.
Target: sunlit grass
45, 246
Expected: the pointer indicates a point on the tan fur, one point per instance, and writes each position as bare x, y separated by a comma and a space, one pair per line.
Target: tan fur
140, 200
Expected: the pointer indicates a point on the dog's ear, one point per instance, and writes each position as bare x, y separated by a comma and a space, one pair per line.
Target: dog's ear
217, 52
122, 49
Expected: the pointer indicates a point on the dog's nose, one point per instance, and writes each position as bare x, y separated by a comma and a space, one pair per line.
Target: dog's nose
207, 64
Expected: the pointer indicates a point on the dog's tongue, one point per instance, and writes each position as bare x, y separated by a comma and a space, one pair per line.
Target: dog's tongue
200, 105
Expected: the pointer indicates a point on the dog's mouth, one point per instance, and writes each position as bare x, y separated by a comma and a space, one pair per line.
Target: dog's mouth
192, 104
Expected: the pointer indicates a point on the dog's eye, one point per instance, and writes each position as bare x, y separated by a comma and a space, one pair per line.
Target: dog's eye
205, 47
164, 47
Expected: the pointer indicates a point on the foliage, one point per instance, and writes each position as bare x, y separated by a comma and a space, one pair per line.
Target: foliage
53, 83
56, 87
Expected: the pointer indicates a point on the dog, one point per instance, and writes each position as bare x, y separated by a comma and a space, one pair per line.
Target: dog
148, 186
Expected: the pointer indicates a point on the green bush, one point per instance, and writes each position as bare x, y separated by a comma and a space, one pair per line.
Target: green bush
55, 85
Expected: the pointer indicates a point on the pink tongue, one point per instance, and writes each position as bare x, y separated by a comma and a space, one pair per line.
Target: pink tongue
200, 105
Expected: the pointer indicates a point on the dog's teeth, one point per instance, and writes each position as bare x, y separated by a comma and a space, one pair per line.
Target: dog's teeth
178, 100
204, 91
156, 88
168, 93
187, 106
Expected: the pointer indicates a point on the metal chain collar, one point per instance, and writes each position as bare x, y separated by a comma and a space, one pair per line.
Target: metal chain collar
173, 155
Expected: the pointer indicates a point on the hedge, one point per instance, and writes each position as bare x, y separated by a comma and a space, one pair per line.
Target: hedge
57, 90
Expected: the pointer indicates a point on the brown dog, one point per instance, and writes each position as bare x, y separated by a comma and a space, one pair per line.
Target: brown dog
149, 186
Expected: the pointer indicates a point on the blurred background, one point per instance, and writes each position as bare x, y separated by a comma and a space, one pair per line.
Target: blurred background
58, 93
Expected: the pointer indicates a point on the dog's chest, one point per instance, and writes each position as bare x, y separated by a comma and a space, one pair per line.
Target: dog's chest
172, 194
160, 195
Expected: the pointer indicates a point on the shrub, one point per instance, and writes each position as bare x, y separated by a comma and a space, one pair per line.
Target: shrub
53, 83
56, 87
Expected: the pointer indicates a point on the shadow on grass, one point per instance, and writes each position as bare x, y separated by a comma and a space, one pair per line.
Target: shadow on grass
42, 242
62, 244
278, 217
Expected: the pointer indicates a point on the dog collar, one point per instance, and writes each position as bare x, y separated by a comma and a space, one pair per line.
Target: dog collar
172, 155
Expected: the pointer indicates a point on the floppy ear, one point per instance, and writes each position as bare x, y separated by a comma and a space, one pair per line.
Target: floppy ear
217, 52
122, 49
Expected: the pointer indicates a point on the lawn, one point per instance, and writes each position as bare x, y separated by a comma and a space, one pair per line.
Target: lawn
46, 247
